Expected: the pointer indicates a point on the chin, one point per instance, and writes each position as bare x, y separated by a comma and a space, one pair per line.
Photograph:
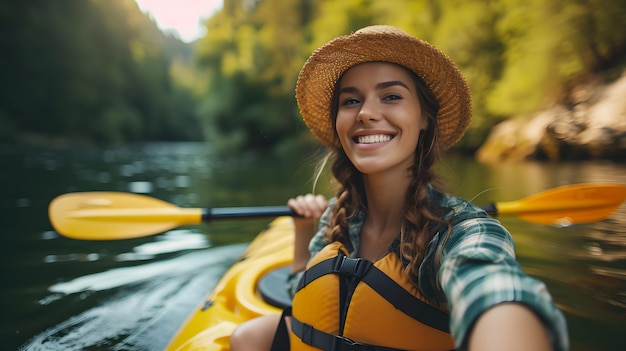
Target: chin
368, 168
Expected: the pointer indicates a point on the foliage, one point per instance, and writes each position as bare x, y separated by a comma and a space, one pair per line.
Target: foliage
101, 72
251, 53
90, 71
518, 55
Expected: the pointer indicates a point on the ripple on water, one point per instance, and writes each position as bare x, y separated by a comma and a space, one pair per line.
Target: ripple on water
145, 305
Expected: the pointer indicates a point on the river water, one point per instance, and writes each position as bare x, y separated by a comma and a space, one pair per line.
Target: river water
65, 294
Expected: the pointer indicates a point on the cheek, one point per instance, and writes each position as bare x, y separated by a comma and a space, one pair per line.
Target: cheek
342, 126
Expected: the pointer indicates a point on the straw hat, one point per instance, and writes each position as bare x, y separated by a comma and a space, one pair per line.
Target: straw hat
320, 73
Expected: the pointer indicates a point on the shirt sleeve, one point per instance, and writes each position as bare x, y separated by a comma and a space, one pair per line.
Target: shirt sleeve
479, 270
315, 245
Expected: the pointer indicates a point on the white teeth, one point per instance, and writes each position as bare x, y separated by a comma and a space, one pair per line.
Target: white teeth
370, 139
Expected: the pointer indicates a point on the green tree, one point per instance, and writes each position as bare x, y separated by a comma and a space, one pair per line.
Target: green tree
252, 55
89, 71
549, 45
518, 56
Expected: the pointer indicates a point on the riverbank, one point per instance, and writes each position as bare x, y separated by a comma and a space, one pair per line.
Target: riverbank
591, 126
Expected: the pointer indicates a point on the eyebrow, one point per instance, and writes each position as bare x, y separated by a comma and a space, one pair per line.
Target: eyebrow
379, 86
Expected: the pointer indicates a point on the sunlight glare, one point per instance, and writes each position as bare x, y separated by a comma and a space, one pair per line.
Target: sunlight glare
182, 17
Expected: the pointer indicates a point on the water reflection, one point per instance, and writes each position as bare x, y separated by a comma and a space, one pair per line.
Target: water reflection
71, 257
152, 297
168, 242
148, 272
172, 241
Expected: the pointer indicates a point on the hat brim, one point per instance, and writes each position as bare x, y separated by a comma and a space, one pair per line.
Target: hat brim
320, 73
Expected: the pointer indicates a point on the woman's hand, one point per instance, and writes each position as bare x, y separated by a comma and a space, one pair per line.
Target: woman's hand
310, 207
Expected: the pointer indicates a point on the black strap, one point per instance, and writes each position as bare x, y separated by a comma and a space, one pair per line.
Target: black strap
330, 342
405, 302
281, 337
340, 264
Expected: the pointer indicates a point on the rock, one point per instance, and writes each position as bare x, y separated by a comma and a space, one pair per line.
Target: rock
592, 126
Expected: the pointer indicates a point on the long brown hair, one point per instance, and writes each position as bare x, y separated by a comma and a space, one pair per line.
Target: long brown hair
419, 215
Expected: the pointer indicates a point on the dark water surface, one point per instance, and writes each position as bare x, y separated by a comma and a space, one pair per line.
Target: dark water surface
63, 294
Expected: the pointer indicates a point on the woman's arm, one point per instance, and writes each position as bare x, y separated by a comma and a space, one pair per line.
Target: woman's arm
509, 326
310, 207
491, 300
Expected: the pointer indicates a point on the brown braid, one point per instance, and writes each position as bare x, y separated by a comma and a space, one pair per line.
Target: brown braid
348, 201
419, 214
419, 217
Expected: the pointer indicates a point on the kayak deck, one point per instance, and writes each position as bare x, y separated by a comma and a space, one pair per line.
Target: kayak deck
236, 297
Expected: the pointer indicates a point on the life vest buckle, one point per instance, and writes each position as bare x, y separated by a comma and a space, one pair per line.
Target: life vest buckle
354, 267
345, 344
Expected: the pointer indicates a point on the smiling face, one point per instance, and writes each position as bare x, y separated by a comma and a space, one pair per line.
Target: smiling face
379, 117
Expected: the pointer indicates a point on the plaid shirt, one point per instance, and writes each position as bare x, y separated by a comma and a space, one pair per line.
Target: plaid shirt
478, 268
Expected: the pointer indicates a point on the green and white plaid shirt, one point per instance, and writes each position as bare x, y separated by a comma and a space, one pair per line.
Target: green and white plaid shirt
478, 268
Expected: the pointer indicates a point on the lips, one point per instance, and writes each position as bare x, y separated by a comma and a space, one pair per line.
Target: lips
373, 139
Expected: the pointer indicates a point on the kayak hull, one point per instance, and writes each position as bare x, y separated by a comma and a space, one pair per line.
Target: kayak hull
236, 298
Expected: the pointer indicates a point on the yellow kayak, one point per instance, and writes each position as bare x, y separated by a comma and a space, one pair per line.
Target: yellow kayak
252, 287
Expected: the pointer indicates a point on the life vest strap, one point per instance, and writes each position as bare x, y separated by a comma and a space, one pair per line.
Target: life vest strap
340, 264
405, 302
329, 342
281, 337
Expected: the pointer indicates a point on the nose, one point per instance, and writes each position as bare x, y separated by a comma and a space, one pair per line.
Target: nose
368, 112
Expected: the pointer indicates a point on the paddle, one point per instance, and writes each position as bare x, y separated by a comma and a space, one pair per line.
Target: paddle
116, 215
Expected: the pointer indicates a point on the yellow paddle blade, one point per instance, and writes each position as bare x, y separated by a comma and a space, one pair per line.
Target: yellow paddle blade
567, 205
113, 215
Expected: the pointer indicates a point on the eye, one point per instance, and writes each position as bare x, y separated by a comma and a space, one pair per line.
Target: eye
392, 97
349, 101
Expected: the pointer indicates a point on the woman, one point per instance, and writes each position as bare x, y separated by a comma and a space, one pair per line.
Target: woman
396, 264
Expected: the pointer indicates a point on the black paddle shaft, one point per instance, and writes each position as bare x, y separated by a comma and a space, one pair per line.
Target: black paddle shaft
209, 214
491, 209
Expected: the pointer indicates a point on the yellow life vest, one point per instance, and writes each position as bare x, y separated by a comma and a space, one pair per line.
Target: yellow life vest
345, 303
